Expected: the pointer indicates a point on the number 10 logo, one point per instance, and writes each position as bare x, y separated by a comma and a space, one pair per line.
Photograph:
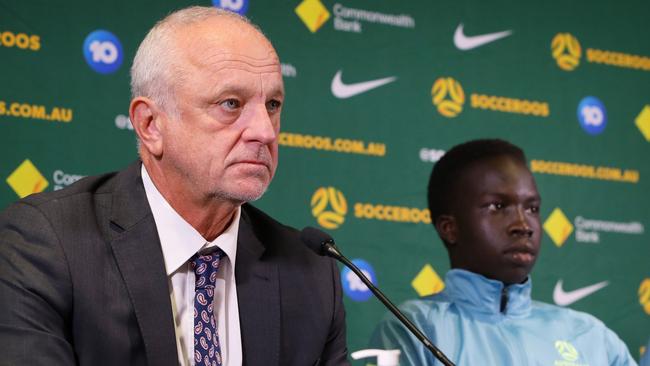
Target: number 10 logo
103, 51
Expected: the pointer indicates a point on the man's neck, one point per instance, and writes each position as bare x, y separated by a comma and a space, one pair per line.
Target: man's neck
210, 216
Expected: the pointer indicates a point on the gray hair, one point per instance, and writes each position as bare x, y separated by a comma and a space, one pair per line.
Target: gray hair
154, 70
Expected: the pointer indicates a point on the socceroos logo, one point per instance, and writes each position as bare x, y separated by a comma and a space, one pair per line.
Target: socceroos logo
329, 207
20, 40
644, 295
448, 96
566, 350
566, 51
568, 353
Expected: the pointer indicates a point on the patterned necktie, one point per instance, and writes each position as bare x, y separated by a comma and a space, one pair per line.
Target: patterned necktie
207, 350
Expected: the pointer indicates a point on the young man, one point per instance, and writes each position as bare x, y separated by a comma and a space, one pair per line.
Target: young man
485, 207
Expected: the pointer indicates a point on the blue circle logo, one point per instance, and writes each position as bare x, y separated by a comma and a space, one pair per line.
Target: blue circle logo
103, 51
592, 115
352, 284
236, 6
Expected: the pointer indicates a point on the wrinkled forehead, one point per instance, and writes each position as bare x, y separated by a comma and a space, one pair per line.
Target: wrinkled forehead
217, 61
218, 44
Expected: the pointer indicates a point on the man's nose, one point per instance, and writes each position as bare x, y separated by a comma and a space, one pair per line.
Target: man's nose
261, 126
520, 225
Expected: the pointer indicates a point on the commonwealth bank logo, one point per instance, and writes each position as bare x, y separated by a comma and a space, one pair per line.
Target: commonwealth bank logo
566, 51
644, 295
313, 13
558, 227
448, 96
329, 207
427, 282
642, 122
26, 179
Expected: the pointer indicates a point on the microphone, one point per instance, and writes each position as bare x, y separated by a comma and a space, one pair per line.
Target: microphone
323, 244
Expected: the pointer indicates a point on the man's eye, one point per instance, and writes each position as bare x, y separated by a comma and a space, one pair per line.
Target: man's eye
273, 105
230, 104
534, 209
495, 206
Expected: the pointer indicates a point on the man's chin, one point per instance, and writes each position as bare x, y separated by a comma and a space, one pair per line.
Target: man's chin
243, 193
515, 278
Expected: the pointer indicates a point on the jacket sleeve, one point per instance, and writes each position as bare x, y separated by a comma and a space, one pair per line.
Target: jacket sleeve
390, 333
35, 290
617, 351
336, 351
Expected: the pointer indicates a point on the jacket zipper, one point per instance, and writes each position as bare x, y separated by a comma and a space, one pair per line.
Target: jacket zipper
504, 300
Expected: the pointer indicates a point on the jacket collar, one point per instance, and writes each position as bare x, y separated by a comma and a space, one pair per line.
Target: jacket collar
136, 247
482, 296
258, 289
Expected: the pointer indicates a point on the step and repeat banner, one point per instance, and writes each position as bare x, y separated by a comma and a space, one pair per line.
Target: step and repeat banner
377, 91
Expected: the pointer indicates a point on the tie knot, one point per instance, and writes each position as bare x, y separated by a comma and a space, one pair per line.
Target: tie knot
205, 268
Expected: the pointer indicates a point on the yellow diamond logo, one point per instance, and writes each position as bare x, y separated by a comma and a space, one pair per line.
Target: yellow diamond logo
644, 295
427, 282
558, 227
26, 179
642, 122
313, 14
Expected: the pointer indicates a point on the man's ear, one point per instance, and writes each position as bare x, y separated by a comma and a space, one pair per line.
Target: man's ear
146, 118
447, 229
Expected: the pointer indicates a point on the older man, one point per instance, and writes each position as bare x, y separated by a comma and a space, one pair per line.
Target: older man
485, 207
165, 262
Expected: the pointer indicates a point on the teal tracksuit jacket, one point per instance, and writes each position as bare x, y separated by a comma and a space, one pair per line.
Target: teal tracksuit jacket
476, 321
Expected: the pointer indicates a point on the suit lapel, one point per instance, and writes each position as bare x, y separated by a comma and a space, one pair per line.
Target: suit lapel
139, 257
258, 293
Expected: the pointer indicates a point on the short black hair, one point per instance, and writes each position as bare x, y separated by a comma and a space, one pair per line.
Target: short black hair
443, 181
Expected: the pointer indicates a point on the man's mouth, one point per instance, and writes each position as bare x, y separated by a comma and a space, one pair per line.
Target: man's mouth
523, 254
522, 257
252, 162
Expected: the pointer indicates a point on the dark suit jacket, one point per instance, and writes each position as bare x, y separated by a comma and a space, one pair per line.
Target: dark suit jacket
82, 281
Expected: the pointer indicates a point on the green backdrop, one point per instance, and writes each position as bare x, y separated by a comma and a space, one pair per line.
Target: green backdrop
355, 157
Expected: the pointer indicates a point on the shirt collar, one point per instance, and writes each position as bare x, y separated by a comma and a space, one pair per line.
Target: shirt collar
481, 295
178, 239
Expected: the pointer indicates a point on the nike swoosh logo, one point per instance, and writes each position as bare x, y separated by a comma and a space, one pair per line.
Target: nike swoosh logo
342, 90
465, 43
563, 298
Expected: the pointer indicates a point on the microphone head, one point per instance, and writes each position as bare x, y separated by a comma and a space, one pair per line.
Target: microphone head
315, 239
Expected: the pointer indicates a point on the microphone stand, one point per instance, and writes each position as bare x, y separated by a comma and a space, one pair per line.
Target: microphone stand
333, 251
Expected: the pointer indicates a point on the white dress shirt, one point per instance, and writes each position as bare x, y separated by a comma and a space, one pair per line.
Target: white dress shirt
180, 241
